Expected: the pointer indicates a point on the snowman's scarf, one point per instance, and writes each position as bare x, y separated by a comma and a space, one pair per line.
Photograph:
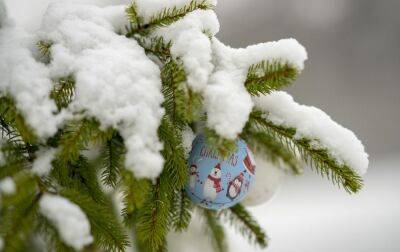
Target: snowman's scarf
217, 183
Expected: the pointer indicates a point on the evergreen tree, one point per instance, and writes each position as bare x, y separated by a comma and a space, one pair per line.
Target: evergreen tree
151, 207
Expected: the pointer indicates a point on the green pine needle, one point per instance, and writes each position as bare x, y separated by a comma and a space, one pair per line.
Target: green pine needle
13, 119
112, 155
18, 213
44, 49
215, 230
272, 149
319, 159
247, 226
266, 76
163, 18
181, 211
63, 93
153, 219
135, 193
106, 229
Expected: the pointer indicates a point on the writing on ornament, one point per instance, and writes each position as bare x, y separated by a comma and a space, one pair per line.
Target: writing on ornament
210, 153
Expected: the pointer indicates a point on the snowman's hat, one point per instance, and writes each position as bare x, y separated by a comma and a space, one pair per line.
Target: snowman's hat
218, 166
240, 177
193, 165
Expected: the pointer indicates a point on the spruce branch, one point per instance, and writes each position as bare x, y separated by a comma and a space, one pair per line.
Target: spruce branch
51, 236
319, 159
163, 18
76, 136
63, 93
12, 118
112, 155
215, 230
247, 226
153, 218
266, 76
16, 159
156, 46
18, 213
80, 176
108, 232
44, 49
175, 168
273, 149
181, 211
175, 92
135, 192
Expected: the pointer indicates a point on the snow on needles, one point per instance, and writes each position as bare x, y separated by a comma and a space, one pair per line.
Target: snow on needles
7, 186
312, 123
227, 101
218, 71
192, 45
115, 81
69, 220
27, 80
120, 86
148, 8
42, 164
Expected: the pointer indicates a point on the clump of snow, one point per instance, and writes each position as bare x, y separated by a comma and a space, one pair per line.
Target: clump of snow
228, 104
7, 186
187, 140
148, 8
115, 81
192, 45
27, 80
42, 164
314, 124
69, 220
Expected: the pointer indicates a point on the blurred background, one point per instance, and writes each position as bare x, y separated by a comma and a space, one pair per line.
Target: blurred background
354, 59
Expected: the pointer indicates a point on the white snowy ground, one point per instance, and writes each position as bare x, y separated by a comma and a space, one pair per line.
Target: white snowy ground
309, 214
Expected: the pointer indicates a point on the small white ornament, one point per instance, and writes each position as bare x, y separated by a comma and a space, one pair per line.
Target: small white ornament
267, 181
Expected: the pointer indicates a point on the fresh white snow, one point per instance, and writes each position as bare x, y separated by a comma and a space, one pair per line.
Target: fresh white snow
7, 186
69, 220
227, 102
115, 81
42, 164
187, 140
27, 80
314, 124
120, 86
192, 45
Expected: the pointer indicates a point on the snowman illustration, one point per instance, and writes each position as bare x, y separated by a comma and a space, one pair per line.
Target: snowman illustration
212, 185
193, 176
235, 186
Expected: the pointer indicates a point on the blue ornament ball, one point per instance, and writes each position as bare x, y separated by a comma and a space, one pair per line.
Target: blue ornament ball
215, 182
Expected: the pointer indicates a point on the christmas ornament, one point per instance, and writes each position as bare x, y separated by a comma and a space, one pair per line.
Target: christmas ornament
216, 182
266, 183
